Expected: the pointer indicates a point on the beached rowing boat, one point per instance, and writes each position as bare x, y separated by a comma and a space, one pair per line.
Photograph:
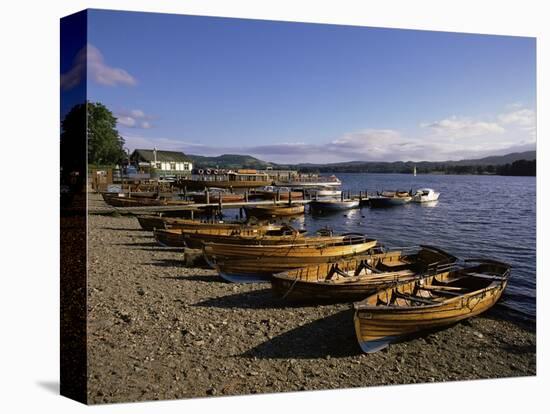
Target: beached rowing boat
151, 222
428, 303
195, 238
353, 279
252, 263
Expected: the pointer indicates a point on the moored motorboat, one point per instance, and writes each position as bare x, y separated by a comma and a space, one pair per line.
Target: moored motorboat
244, 263
425, 195
353, 279
390, 199
320, 192
333, 204
428, 303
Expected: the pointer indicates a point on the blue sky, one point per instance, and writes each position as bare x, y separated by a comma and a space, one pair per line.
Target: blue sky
296, 92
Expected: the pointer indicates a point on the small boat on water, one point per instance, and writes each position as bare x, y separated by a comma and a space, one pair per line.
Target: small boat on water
428, 303
275, 210
390, 199
425, 195
333, 204
353, 279
257, 263
320, 192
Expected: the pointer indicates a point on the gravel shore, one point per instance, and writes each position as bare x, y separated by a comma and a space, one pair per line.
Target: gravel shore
159, 330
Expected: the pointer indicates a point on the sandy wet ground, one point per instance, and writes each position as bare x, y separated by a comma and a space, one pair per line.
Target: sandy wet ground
158, 330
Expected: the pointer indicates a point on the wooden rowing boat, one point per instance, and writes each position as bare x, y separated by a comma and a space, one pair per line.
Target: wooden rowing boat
195, 238
275, 210
169, 237
126, 200
151, 222
255, 263
353, 279
432, 302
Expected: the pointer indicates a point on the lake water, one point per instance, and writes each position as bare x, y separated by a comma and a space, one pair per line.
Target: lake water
476, 216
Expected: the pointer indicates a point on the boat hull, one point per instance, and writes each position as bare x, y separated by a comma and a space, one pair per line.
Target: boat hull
426, 199
274, 211
353, 279
377, 325
330, 205
241, 262
389, 201
169, 238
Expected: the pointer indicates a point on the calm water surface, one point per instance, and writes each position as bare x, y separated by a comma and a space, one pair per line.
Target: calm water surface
476, 216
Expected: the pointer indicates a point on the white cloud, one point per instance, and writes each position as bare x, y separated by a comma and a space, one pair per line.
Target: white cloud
135, 118
90, 58
522, 117
452, 138
456, 127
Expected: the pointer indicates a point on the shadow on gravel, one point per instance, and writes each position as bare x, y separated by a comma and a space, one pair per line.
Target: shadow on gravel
499, 312
520, 349
143, 244
200, 278
256, 299
123, 229
164, 249
333, 335
167, 263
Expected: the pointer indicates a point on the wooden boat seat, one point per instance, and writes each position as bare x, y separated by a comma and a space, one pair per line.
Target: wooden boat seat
415, 298
448, 288
443, 291
485, 276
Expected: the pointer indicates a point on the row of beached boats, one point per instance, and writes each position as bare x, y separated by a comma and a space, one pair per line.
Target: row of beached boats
395, 293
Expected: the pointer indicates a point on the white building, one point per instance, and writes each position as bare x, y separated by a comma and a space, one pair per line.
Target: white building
162, 162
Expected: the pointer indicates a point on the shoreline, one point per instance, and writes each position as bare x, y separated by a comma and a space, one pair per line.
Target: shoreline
159, 330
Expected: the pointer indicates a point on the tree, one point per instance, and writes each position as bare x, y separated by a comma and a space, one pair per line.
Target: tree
105, 145
96, 123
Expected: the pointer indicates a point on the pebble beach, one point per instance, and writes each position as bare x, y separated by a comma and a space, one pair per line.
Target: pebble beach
160, 330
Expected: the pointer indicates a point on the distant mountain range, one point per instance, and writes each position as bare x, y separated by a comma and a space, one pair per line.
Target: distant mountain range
229, 161
235, 161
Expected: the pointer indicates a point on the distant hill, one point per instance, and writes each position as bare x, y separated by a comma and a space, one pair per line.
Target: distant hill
492, 160
236, 161
498, 159
229, 161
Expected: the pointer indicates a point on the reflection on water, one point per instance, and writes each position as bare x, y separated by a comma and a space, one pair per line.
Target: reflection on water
429, 203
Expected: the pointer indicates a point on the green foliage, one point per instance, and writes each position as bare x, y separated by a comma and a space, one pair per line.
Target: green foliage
97, 123
105, 145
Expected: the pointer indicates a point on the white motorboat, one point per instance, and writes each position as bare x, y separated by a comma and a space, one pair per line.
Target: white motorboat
325, 192
425, 195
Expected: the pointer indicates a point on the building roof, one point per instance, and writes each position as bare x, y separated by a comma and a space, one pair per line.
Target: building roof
162, 156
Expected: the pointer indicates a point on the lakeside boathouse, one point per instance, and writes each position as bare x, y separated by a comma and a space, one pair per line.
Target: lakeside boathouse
173, 163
